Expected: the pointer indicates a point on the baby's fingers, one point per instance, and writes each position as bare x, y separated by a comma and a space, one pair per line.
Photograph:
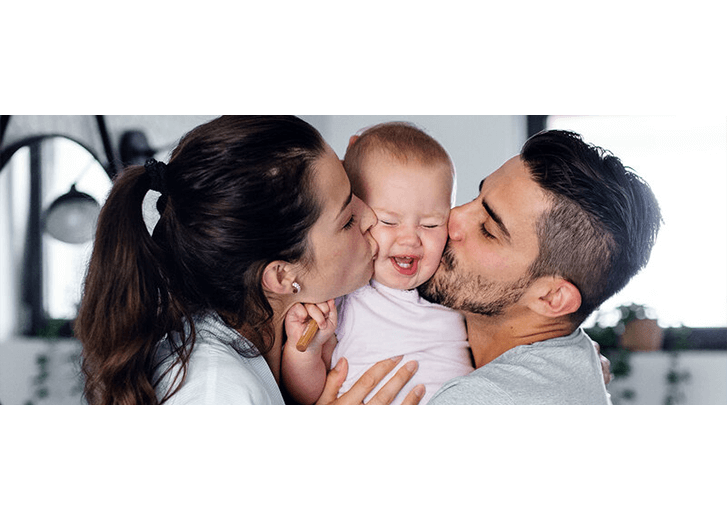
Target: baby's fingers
318, 314
297, 313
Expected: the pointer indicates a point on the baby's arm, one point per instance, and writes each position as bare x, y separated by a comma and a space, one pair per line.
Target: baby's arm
304, 373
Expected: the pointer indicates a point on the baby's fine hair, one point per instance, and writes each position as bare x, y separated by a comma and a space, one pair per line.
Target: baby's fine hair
402, 140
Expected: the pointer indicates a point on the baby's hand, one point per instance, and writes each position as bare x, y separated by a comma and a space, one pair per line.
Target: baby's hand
300, 315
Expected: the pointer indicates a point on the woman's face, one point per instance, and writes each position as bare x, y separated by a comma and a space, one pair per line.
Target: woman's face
343, 249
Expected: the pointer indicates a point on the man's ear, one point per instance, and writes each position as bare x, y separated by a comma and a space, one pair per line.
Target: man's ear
554, 297
277, 278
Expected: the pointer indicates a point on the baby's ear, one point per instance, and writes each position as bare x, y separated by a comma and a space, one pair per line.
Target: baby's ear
352, 140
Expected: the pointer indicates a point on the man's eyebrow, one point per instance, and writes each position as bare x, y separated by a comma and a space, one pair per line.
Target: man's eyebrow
494, 216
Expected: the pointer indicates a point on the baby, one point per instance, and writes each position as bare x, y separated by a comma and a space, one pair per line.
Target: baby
407, 178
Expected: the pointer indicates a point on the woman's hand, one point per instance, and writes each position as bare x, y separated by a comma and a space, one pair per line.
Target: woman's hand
605, 365
368, 382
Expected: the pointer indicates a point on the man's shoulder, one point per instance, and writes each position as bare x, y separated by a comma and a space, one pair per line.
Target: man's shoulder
474, 388
562, 370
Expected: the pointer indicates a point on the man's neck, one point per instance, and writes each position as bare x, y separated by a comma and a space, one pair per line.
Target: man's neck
490, 337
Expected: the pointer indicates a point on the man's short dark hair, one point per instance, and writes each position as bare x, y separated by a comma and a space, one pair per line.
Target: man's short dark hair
603, 219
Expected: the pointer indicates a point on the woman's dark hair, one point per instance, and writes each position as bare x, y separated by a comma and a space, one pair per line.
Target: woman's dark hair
602, 222
238, 196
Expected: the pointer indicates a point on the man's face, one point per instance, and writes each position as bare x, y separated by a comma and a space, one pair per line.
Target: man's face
492, 243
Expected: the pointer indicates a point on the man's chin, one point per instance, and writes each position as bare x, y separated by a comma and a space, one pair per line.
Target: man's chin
435, 291
472, 295
426, 292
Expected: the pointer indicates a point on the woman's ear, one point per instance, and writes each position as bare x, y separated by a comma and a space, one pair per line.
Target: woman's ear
277, 278
554, 297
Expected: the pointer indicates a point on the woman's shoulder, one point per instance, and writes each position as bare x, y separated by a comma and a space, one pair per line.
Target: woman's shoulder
218, 373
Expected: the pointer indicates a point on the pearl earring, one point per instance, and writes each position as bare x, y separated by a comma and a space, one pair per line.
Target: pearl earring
296, 287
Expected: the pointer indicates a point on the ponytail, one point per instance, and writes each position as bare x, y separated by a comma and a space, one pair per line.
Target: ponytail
236, 195
120, 320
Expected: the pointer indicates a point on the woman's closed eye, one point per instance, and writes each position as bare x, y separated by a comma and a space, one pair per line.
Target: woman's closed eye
350, 223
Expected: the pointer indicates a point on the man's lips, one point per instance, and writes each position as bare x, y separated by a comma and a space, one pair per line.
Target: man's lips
405, 265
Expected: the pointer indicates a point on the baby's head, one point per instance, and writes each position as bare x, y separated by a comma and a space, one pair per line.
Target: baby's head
407, 178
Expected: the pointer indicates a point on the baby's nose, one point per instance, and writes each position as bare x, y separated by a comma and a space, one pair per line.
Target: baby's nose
409, 236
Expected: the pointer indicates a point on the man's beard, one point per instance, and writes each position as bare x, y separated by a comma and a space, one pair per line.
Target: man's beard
467, 293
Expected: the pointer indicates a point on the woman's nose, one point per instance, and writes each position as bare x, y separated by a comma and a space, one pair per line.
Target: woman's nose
368, 217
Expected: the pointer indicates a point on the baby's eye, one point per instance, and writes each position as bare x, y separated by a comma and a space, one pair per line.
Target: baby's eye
387, 223
430, 226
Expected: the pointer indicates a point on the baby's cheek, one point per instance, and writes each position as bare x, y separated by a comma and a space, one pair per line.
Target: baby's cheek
434, 248
439, 240
384, 238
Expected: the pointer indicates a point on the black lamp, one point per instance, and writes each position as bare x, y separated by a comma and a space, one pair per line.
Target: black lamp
134, 148
72, 217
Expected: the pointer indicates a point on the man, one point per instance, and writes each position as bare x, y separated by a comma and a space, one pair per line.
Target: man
554, 233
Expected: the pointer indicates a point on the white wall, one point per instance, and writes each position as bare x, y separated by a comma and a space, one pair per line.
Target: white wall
478, 145
706, 384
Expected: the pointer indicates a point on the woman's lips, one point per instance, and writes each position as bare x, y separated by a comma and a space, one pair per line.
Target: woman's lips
405, 265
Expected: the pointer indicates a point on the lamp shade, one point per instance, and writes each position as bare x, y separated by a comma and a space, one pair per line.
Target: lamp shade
72, 217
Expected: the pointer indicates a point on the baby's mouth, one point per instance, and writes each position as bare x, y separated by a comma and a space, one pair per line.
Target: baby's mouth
406, 265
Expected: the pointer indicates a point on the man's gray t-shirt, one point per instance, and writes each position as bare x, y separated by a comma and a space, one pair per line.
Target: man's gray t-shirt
565, 370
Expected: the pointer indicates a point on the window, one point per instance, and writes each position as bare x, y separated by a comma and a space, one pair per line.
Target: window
64, 265
41, 276
684, 160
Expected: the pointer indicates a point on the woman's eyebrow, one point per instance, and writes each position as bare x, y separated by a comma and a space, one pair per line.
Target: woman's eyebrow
346, 203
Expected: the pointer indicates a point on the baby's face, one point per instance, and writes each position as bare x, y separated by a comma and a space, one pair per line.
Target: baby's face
412, 203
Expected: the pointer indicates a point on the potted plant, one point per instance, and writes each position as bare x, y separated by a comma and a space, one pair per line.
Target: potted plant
638, 330
634, 329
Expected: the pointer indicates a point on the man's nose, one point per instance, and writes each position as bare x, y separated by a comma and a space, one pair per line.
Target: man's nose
456, 216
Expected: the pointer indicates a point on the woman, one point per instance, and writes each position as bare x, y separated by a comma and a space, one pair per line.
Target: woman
256, 216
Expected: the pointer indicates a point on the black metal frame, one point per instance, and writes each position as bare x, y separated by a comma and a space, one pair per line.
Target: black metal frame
536, 124
111, 166
32, 286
